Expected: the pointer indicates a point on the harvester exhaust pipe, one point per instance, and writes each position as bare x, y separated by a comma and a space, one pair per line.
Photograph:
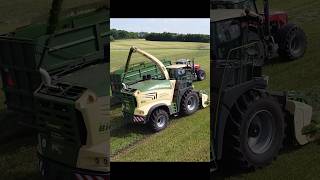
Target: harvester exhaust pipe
267, 16
54, 16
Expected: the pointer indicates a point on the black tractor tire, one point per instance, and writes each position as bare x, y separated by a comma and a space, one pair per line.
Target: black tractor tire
292, 42
189, 102
255, 131
158, 120
201, 75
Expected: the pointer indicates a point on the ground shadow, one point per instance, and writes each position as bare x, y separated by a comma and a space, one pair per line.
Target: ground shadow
229, 169
11, 129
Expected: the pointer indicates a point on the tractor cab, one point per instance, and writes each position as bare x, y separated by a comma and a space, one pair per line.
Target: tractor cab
180, 72
235, 34
198, 73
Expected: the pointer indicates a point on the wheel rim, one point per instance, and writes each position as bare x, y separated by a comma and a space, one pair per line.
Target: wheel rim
295, 45
161, 121
260, 131
202, 75
191, 103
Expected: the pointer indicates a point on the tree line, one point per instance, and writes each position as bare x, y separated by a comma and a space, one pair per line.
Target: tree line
121, 34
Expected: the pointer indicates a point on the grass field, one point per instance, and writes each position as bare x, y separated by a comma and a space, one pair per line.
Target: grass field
303, 75
186, 138
17, 13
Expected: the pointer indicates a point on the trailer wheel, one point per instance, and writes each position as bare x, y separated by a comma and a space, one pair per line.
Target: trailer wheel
292, 42
254, 132
159, 120
201, 75
189, 102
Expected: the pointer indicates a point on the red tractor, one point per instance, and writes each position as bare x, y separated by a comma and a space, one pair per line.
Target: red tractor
199, 74
280, 38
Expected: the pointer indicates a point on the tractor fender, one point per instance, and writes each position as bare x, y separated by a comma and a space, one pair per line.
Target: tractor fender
221, 113
302, 115
162, 105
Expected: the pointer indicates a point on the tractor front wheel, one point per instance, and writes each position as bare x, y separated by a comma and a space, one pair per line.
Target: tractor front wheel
292, 42
201, 75
159, 120
189, 102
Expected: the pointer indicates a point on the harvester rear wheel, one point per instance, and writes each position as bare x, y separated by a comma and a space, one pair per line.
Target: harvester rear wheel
255, 131
292, 42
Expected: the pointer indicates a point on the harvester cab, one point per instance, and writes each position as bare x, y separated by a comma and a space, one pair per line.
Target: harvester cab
153, 99
249, 122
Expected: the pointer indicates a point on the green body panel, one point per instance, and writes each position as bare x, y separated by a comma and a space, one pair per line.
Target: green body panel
129, 105
59, 124
150, 85
66, 50
36, 30
135, 73
85, 78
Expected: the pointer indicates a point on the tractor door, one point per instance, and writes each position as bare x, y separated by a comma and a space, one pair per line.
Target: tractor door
228, 35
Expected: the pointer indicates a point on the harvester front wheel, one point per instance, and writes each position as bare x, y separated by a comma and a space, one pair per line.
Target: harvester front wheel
255, 131
159, 120
189, 102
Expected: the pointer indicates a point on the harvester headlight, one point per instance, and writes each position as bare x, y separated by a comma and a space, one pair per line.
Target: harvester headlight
101, 161
140, 112
97, 160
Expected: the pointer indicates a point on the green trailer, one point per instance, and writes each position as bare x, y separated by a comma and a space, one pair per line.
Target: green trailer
136, 72
48, 81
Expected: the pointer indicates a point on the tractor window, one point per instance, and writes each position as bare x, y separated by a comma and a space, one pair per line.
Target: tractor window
227, 36
177, 74
233, 4
227, 32
181, 72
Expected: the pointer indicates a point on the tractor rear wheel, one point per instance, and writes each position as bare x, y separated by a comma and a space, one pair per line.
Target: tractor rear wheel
292, 42
159, 120
189, 102
201, 75
254, 132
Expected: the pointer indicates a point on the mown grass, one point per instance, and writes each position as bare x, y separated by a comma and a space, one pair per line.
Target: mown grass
301, 75
186, 138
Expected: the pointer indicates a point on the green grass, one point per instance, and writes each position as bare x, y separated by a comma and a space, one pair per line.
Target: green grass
17, 13
186, 138
302, 75
18, 159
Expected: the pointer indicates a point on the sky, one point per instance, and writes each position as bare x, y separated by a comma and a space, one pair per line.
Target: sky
173, 25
